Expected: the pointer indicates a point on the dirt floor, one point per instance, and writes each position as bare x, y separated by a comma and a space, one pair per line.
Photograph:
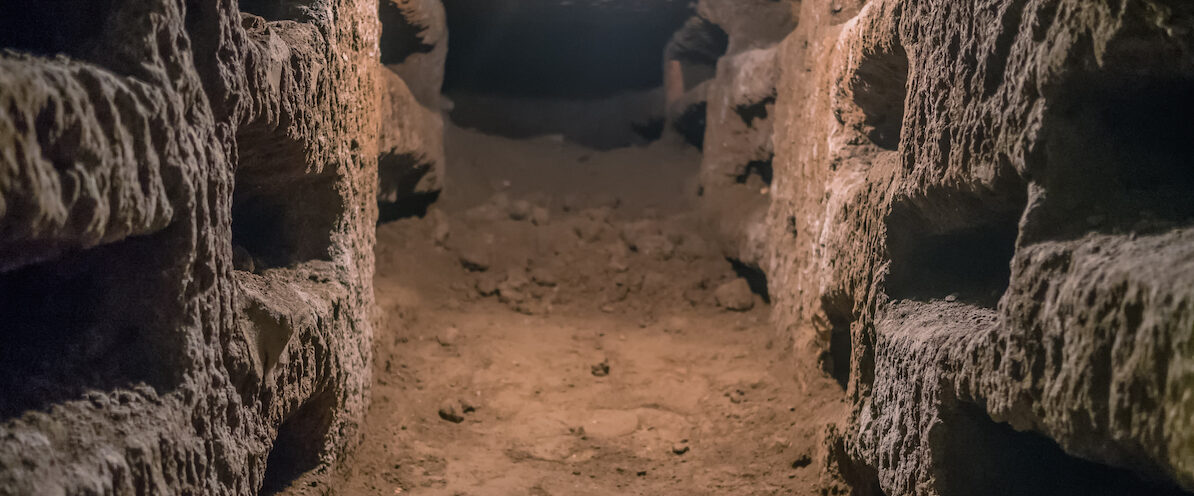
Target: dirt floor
557, 325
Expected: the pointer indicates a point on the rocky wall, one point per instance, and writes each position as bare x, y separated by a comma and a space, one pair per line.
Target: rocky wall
411, 164
980, 224
735, 105
187, 202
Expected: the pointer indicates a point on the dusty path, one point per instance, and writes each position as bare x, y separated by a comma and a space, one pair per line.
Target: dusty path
576, 343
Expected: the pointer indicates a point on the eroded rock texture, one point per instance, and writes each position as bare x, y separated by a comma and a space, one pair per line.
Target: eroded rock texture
187, 197
727, 52
980, 217
411, 143
414, 46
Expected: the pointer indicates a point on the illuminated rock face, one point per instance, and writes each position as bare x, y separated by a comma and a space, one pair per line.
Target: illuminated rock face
725, 56
186, 228
979, 217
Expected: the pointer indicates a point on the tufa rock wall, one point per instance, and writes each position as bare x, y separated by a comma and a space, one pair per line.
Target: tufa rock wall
413, 47
980, 224
187, 202
727, 54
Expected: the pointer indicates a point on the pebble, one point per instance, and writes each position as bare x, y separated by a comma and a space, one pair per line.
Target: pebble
600, 369
735, 295
487, 284
540, 216
656, 246
500, 200
452, 411
588, 230
675, 324
474, 258
448, 336
610, 424
571, 203
520, 210
618, 264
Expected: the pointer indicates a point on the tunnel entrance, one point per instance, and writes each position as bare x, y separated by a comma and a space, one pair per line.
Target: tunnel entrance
570, 50
590, 72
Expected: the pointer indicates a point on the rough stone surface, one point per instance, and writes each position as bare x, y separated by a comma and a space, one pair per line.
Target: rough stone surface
736, 106
144, 143
750, 24
411, 144
413, 48
736, 167
414, 45
979, 221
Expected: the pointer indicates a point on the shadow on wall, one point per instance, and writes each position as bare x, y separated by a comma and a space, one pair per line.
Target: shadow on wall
282, 215
299, 443
697, 46
880, 89
399, 37
970, 263
981, 457
1139, 181
92, 321
403, 173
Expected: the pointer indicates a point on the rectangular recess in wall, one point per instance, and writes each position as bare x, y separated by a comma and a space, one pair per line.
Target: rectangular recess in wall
94, 321
953, 250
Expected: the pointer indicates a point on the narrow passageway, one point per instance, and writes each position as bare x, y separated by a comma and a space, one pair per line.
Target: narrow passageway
597, 247
557, 315
557, 324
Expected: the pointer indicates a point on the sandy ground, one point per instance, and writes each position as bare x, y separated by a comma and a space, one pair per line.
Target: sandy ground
558, 325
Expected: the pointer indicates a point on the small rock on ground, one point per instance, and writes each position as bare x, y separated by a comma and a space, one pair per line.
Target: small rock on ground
453, 410
474, 257
520, 210
680, 448
448, 336
735, 295
600, 369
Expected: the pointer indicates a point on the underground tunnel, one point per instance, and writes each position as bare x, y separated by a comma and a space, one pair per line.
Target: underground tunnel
590, 74
590, 247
